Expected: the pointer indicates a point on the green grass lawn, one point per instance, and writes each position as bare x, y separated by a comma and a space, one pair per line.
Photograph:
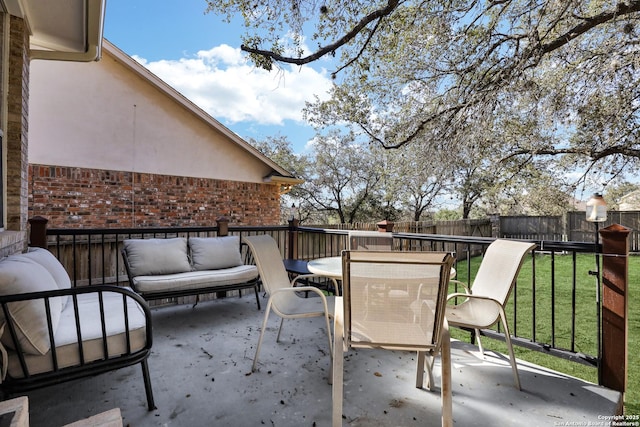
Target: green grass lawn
559, 314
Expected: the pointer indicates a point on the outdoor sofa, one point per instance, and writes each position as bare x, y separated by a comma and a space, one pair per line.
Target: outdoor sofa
174, 267
51, 332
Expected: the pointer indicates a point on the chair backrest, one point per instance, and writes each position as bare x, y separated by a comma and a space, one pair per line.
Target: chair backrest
499, 269
375, 316
370, 241
269, 261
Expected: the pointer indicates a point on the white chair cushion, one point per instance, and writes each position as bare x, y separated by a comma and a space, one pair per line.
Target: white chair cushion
93, 345
19, 274
213, 253
157, 256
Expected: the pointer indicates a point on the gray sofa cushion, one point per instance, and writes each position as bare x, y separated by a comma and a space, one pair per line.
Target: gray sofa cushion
213, 253
18, 275
157, 256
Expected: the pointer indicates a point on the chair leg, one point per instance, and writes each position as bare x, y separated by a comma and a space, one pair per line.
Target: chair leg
255, 289
445, 389
425, 363
328, 325
264, 327
337, 372
479, 342
335, 286
420, 369
429, 361
147, 385
280, 329
512, 357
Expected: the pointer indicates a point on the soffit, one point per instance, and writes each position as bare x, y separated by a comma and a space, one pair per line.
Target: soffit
67, 30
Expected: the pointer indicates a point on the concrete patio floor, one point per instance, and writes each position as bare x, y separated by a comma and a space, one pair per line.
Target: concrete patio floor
201, 376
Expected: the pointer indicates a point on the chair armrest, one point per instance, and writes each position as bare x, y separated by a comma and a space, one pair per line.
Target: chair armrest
301, 289
464, 285
307, 276
73, 292
306, 289
471, 296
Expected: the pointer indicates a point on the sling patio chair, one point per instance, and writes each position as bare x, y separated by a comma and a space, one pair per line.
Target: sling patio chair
366, 317
283, 299
485, 300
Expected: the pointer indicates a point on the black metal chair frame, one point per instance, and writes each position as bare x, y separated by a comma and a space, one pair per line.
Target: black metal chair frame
28, 381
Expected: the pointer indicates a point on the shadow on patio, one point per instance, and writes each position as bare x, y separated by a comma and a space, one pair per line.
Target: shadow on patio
201, 376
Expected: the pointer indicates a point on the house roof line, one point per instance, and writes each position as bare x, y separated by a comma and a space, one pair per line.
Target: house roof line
163, 86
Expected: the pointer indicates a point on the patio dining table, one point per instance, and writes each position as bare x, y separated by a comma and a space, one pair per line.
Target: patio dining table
329, 266
332, 267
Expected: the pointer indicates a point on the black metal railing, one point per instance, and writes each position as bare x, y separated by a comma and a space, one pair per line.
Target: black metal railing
550, 338
543, 308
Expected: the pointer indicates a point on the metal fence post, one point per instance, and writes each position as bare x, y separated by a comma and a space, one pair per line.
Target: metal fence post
38, 234
223, 226
615, 285
385, 226
292, 248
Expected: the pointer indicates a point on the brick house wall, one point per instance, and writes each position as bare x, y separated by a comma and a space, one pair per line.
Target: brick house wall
74, 197
93, 123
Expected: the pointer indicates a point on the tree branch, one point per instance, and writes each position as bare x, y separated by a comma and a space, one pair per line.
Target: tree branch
375, 15
623, 8
593, 155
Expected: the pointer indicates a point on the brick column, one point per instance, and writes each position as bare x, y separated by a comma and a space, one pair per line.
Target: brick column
16, 131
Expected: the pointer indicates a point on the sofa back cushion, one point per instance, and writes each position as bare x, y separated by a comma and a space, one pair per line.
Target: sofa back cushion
148, 257
19, 274
213, 253
53, 266
51, 263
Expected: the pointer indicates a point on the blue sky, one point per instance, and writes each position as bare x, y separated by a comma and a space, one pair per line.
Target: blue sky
199, 55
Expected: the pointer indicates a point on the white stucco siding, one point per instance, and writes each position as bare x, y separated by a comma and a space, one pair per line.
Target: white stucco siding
102, 115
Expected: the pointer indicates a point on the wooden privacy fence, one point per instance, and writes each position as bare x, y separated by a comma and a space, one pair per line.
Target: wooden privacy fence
463, 227
572, 227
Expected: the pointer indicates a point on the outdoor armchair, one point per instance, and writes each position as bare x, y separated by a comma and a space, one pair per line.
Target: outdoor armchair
283, 299
367, 317
485, 300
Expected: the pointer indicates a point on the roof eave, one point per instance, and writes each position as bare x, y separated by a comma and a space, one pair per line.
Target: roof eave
81, 34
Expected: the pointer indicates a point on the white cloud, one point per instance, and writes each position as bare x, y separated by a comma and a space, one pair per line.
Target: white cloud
223, 83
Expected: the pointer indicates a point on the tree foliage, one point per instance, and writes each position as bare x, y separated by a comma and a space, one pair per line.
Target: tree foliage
409, 71
615, 193
344, 180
